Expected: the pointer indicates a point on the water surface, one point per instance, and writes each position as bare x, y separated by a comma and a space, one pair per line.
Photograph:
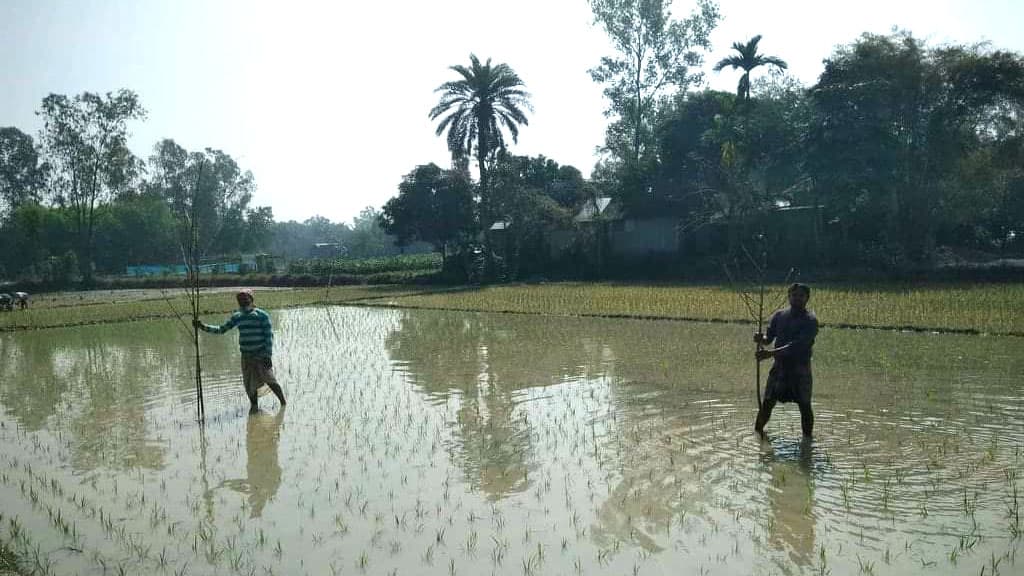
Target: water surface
436, 442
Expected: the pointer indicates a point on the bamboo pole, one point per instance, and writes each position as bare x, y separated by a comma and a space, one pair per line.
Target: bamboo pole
760, 317
193, 257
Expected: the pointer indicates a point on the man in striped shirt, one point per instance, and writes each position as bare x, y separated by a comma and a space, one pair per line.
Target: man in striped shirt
256, 343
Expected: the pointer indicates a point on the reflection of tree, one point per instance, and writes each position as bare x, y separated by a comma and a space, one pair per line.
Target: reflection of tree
99, 380
450, 356
791, 500
29, 387
486, 363
263, 472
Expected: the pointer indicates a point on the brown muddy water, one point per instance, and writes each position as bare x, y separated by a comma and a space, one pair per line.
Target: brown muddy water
421, 442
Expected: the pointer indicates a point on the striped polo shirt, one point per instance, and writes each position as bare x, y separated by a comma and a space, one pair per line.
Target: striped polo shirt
255, 335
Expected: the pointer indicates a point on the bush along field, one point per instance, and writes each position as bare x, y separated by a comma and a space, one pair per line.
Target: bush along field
366, 266
409, 269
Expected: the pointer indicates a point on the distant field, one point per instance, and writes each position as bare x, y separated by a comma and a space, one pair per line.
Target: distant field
988, 308
982, 308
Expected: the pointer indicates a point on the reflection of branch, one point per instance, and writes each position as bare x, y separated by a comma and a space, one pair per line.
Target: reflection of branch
207, 493
327, 297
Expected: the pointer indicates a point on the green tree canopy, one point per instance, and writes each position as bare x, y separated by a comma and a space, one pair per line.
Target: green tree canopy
433, 206
898, 127
21, 175
221, 191
747, 59
655, 53
477, 107
85, 140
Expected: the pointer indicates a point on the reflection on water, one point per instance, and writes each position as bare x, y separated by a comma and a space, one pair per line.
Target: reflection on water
790, 496
435, 442
263, 473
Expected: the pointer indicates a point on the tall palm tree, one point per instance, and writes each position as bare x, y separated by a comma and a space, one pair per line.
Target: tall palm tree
477, 106
747, 58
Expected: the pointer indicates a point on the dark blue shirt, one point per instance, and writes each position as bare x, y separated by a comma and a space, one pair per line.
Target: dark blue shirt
798, 329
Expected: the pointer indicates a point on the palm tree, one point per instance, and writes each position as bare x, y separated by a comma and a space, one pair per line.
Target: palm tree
747, 58
476, 107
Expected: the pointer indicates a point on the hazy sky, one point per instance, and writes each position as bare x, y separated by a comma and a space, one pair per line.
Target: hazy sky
326, 102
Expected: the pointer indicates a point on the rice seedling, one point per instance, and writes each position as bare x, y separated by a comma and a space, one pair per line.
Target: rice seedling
622, 433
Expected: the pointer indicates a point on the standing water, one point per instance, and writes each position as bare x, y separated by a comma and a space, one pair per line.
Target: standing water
435, 442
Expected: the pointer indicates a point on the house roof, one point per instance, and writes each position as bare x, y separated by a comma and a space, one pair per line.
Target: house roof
593, 208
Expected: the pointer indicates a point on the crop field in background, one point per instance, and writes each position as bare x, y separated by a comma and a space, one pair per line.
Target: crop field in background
988, 308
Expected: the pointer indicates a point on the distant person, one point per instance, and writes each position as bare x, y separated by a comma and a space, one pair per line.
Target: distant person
256, 343
793, 331
21, 299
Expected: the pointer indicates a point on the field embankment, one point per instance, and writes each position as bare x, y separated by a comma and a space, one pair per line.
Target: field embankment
107, 306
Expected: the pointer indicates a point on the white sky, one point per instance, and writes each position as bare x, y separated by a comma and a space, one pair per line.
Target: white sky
326, 102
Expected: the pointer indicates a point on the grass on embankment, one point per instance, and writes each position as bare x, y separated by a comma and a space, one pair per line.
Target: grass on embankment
51, 312
986, 308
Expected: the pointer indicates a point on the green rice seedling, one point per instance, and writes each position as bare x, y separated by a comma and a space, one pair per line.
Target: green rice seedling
428, 555
1013, 512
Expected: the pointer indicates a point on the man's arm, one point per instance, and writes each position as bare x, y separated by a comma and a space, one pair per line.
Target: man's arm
268, 335
228, 325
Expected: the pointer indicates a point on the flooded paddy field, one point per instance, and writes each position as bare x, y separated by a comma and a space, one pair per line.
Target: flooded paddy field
420, 441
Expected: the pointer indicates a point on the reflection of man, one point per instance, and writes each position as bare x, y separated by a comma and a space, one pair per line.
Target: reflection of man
790, 497
793, 331
262, 432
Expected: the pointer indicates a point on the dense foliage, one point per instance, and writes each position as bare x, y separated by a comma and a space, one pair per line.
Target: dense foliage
78, 202
900, 157
427, 262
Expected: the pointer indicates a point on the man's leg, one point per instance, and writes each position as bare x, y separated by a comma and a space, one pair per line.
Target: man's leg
249, 380
806, 389
764, 414
806, 418
276, 389
270, 380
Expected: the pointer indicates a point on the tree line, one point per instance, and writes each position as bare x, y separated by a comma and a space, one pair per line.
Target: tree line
77, 202
900, 152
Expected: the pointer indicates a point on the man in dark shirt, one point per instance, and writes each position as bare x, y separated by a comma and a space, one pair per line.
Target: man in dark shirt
793, 331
